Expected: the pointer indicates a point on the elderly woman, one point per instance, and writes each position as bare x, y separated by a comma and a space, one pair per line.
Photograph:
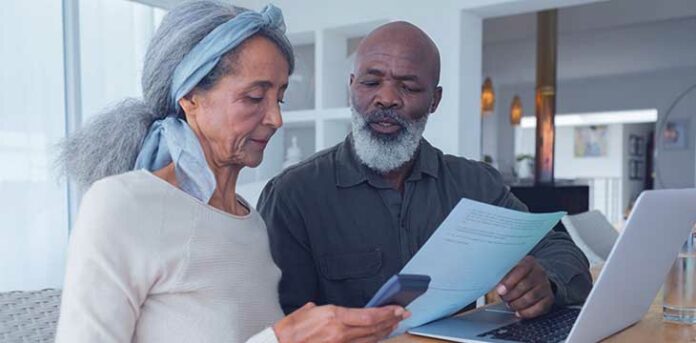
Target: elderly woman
169, 252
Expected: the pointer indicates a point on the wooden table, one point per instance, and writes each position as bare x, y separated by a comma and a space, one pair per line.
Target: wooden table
651, 329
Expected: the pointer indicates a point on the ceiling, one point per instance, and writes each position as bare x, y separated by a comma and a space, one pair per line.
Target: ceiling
596, 16
618, 37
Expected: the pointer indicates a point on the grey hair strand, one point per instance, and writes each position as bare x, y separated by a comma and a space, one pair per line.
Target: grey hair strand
109, 143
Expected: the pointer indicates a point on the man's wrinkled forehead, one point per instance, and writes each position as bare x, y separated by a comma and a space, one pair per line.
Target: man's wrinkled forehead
398, 63
403, 64
399, 46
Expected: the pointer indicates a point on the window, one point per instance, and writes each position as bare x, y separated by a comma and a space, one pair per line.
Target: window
114, 35
33, 204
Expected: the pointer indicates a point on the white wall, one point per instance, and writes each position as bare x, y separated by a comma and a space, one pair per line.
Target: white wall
585, 52
570, 167
613, 93
331, 28
597, 16
453, 128
617, 55
676, 167
455, 26
611, 187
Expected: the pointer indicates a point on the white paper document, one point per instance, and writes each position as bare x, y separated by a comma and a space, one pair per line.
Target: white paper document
469, 253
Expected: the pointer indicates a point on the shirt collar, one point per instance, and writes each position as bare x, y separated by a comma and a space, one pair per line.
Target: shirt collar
350, 171
426, 161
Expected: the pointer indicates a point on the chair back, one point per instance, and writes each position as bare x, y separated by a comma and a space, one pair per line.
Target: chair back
592, 233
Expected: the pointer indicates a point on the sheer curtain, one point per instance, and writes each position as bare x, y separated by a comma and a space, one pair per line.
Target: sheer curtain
33, 204
113, 38
34, 208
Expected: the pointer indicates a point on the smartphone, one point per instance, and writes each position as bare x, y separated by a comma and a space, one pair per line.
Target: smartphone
400, 289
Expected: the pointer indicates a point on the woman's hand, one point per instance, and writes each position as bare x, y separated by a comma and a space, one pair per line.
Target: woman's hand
312, 323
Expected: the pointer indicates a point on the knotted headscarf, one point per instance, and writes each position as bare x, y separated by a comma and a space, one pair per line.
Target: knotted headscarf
171, 139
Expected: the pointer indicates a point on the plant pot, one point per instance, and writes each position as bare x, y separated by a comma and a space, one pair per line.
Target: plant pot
524, 169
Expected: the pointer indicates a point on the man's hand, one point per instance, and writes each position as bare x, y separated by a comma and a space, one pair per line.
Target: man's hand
526, 289
333, 324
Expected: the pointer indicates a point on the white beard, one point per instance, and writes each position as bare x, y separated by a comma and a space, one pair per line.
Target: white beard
383, 153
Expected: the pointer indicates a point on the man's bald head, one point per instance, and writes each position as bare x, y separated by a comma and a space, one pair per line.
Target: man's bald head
402, 39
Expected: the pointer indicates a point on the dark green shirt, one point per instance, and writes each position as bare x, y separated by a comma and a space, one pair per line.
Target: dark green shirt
338, 231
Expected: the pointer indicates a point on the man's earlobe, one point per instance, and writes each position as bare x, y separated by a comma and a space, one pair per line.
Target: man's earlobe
437, 96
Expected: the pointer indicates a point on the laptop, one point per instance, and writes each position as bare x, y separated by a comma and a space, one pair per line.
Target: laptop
635, 270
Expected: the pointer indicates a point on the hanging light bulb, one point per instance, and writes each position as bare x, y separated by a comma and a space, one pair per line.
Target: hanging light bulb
516, 111
487, 97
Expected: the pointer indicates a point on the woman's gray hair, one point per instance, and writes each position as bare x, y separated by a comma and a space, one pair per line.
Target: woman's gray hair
109, 143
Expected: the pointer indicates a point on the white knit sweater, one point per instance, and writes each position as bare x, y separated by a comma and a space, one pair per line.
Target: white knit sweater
150, 263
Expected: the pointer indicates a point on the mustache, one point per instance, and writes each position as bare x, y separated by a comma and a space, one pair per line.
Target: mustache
388, 115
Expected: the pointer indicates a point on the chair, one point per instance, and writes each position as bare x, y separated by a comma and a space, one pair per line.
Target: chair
29, 316
592, 233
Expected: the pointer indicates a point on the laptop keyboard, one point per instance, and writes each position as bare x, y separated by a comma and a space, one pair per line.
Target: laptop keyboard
551, 328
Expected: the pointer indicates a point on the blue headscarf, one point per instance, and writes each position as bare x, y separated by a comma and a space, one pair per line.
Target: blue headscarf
171, 139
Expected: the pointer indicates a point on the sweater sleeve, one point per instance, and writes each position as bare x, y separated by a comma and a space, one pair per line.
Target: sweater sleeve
109, 270
265, 336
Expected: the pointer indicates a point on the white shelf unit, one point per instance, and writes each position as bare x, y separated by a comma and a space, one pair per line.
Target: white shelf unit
316, 108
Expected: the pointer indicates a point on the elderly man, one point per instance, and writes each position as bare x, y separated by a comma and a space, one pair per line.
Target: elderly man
345, 220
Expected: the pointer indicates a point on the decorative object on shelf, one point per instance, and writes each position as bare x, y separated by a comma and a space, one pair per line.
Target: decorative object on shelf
635, 169
591, 141
675, 134
524, 166
516, 111
293, 154
487, 97
635, 145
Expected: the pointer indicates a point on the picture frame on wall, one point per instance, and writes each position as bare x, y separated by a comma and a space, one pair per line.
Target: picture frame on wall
591, 141
675, 134
636, 145
635, 169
